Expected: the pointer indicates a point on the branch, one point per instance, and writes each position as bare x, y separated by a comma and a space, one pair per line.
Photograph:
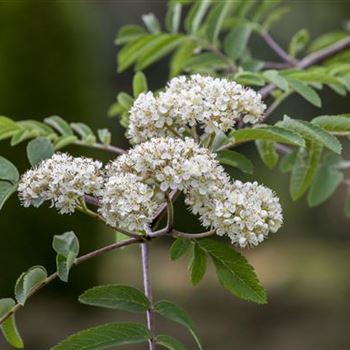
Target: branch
176, 233
109, 148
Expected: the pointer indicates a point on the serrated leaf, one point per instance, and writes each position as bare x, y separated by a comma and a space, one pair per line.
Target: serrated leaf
287, 162
269, 133
311, 132
305, 91
179, 248
139, 84
8, 171
116, 296
169, 342
275, 78
6, 190
64, 141
324, 184
9, 327
267, 152
195, 15
28, 281
158, 48
106, 337
234, 272
60, 125
236, 160
39, 149
236, 40
151, 22
175, 313
198, 264
67, 248
84, 131
105, 136
129, 33
304, 169
333, 123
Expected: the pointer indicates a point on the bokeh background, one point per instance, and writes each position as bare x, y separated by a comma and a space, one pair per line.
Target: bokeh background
58, 57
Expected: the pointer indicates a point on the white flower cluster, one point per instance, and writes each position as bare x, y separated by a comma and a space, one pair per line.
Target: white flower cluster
245, 212
210, 103
63, 180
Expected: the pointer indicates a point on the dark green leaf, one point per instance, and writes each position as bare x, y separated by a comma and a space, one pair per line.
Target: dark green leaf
60, 125
179, 248
139, 84
28, 281
115, 296
305, 91
38, 150
198, 264
236, 40
205, 63
6, 190
175, 313
287, 162
106, 337
236, 160
8, 171
267, 152
169, 342
8, 327
249, 78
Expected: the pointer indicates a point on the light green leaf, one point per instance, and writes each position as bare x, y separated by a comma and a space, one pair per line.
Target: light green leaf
267, 152
20, 136
333, 123
275, 78
198, 264
116, 296
234, 272
6, 190
311, 132
129, 33
29, 281
64, 141
298, 42
8, 171
205, 63
175, 313
125, 100
84, 131
179, 248
169, 342
287, 162
195, 15
181, 56
39, 149
236, 40
105, 136
269, 133
326, 40
139, 84
8, 327
8, 127
173, 17
158, 48
105, 337
151, 22
249, 78
67, 248
273, 17
304, 169
236, 160
305, 91
60, 125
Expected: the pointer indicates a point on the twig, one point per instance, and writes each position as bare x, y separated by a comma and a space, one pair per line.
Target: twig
148, 292
109, 148
170, 211
177, 233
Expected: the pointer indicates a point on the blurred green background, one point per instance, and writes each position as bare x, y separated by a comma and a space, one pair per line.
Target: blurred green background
58, 57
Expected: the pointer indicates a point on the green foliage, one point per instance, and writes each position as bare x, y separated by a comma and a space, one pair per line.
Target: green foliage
198, 264
9, 178
234, 272
39, 149
179, 248
67, 248
267, 152
175, 313
105, 337
298, 42
115, 296
336, 124
169, 342
139, 84
28, 282
237, 160
9, 327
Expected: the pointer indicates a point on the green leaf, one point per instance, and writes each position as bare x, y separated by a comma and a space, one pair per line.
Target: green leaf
275, 78
273, 17
158, 48
84, 131
326, 40
115, 296
236, 160
129, 33
139, 84
267, 152
311, 132
60, 125
8, 171
304, 169
287, 162
173, 17
216, 18
181, 56
151, 22
29, 281
106, 337
234, 272
195, 15
20, 136
347, 205
236, 40
333, 123
175, 313
249, 78
39, 149
169, 342
64, 141
8, 127
269, 133
6, 190
305, 91
298, 42
205, 63
105, 136
326, 181
198, 264
8, 327
67, 248
179, 248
